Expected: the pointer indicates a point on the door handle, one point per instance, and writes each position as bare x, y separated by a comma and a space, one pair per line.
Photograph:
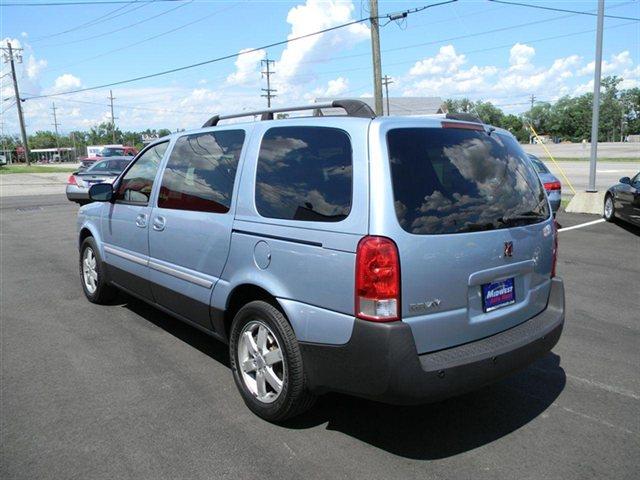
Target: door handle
159, 223
141, 220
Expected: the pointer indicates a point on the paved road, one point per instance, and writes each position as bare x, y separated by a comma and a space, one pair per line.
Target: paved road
607, 173
21, 184
124, 391
579, 150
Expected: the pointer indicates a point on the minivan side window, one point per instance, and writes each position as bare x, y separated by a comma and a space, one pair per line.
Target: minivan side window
304, 173
200, 172
137, 183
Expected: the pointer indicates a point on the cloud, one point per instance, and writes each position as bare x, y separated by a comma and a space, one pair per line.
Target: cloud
34, 67
334, 88
520, 56
299, 57
618, 62
66, 82
247, 68
445, 62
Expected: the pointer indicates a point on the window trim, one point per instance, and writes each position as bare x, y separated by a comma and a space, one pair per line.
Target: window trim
311, 223
116, 184
236, 179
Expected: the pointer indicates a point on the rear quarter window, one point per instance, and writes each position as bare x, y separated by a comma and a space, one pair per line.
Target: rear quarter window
304, 173
448, 180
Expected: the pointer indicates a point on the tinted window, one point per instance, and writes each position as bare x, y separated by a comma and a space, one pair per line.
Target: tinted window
448, 180
102, 166
200, 172
304, 173
635, 181
538, 165
136, 185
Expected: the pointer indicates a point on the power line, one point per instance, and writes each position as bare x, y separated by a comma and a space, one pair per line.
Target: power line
102, 18
84, 2
93, 37
219, 59
554, 9
153, 37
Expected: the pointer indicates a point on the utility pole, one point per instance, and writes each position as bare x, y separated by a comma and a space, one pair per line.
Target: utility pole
595, 117
113, 119
533, 100
267, 73
55, 125
386, 80
9, 57
375, 53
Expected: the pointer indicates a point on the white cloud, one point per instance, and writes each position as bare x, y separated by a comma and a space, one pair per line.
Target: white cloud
445, 62
299, 56
65, 82
247, 68
618, 62
334, 88
34, 67
520, 56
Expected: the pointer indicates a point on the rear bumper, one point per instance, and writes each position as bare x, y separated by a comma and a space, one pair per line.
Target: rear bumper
380, 361
75, 193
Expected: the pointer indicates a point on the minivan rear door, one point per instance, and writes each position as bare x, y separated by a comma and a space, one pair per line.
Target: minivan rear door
472, 225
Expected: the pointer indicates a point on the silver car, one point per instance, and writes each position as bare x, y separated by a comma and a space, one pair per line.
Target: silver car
400, 259
104, 171
550, 182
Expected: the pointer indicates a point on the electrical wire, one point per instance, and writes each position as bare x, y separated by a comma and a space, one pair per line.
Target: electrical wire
555, 9
219, 59
84, 2
136, 4
104, 34
144, 40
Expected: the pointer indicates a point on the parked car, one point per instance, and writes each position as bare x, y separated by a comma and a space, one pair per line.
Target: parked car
622, 201
104, 171
551, 184
404, 260
3, 160
86, 162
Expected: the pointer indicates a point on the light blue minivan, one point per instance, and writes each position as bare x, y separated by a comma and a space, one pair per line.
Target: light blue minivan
401, 259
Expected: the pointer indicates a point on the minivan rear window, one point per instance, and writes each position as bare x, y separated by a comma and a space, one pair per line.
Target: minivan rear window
453, 180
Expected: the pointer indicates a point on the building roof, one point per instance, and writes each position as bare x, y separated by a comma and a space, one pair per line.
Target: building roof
398, 105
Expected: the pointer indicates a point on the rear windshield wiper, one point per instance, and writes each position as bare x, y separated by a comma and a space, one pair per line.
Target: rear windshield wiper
525, 216
477, 227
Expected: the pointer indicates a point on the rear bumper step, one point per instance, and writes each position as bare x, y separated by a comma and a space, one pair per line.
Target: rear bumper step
381, 362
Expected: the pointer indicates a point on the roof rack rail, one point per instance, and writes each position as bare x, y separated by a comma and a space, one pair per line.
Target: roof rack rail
354, 108
465, 117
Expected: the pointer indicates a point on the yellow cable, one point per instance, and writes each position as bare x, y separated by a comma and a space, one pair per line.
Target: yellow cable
535, 134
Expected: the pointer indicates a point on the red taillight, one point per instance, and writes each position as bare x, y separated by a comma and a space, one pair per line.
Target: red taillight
554, 258
377, 280
548, 186
72, 180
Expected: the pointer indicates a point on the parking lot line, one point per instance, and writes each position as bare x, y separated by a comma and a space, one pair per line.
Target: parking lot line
582, 225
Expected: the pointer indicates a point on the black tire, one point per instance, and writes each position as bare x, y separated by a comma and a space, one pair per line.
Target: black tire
611, 216
103, 292
294, 397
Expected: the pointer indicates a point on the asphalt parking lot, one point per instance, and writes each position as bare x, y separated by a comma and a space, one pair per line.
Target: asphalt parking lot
124, 391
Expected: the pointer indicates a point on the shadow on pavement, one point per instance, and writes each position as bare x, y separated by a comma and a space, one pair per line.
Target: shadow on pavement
424, 432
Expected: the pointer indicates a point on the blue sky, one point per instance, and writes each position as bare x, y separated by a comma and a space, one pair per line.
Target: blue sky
443, 51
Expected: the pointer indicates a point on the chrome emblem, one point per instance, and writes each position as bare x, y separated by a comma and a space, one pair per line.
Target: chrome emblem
508, 249
423, 306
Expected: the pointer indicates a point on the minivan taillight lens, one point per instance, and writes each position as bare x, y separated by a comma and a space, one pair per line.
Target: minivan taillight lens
72, 180
554, 258
548, 186
377, 280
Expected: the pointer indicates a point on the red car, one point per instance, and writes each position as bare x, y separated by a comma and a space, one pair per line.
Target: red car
109, 152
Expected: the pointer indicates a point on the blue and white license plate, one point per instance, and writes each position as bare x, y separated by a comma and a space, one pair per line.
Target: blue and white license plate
498, 294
